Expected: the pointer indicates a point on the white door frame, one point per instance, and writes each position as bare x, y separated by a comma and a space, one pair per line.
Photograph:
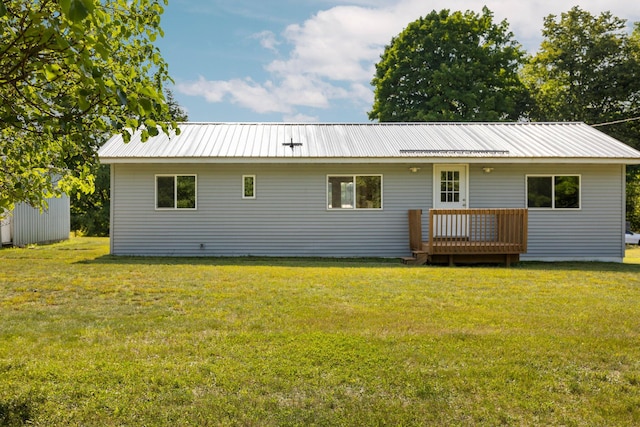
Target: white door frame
463, 202
454, 225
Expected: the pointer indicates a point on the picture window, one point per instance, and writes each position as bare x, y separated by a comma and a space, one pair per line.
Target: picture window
354, 192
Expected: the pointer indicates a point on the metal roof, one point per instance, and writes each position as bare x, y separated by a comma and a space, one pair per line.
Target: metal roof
369, 142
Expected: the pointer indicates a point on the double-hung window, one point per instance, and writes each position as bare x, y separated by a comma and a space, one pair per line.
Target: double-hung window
553, 191
175, 191
354, 192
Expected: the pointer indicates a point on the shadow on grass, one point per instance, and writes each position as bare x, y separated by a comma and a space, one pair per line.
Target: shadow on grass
580, 266
248, 261
15, 413
348, 262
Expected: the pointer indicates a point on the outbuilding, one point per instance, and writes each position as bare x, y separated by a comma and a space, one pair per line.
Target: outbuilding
25, 225
351, 190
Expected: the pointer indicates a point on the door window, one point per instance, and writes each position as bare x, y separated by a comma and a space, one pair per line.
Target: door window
450, 186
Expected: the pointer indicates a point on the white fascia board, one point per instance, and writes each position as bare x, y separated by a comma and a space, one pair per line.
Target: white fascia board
387, 160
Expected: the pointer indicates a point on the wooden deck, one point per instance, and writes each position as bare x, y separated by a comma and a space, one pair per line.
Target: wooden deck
468, 236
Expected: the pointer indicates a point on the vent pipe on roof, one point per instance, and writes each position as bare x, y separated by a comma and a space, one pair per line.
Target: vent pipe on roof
292, 144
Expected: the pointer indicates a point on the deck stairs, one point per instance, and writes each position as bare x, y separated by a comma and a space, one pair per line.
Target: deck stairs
418, 256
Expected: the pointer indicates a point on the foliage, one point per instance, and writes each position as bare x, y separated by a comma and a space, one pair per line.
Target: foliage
176, 111
587, 69
90, 339
450, 67
633, 197
90, 212
73, 72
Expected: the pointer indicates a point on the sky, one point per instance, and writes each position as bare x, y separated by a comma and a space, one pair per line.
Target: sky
311, 60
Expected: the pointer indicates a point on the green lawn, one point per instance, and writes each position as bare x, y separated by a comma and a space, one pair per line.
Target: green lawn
93, 340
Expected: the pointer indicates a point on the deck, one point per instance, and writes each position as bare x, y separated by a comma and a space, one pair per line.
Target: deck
468, 236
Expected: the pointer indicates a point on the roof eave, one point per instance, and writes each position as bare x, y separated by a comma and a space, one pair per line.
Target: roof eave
387, 160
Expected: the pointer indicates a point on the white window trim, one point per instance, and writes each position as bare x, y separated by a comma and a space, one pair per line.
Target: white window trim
175, 192
354, 208
553, 191
254, 187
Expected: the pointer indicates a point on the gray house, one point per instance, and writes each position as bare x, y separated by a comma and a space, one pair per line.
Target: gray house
25, 225
343, 190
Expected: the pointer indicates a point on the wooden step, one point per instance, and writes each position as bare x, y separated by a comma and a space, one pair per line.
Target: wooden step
418, 258
421, 257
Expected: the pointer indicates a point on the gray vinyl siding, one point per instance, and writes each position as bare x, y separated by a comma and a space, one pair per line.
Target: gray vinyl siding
29, 225
595, 232
289, 216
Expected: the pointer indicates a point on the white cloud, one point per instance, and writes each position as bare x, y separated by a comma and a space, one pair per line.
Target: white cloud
300, 118
267, 40
246, 93
338, 44
333, 53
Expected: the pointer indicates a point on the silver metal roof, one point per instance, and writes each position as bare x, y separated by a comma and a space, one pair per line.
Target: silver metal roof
383, 142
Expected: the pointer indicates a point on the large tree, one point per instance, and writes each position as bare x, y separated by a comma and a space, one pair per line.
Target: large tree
450, 67
587, 69
90, 212
629, 129
73, 72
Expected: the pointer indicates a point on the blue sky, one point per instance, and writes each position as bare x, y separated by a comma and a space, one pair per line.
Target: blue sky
310, 60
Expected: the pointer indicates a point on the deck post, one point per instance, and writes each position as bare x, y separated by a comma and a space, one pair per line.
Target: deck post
415, 229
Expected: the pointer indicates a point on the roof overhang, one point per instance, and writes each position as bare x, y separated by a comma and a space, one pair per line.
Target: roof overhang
368, 160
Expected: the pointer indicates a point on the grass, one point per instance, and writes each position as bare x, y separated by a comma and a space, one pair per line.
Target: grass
90, 339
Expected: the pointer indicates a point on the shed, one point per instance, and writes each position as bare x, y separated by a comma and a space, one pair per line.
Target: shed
25, 225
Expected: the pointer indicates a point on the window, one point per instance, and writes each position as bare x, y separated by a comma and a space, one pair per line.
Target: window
354, 192
175, 191
449, 186
553, 192
248, 186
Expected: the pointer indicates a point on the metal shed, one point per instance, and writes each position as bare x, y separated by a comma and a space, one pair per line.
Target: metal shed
26, 225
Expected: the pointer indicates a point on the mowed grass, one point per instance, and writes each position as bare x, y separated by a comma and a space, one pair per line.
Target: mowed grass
89, 339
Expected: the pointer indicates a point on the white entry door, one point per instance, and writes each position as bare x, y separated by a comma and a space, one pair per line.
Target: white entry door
450, 187
450, 191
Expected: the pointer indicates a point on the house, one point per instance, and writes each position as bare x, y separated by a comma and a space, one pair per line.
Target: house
25, 225
345, 190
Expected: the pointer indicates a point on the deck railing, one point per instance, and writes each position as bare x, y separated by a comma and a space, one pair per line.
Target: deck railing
477, 231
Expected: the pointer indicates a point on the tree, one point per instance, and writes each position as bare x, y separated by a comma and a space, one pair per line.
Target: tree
587, 69
72, 73
176, 111
90, 212
630, 131
450, 67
